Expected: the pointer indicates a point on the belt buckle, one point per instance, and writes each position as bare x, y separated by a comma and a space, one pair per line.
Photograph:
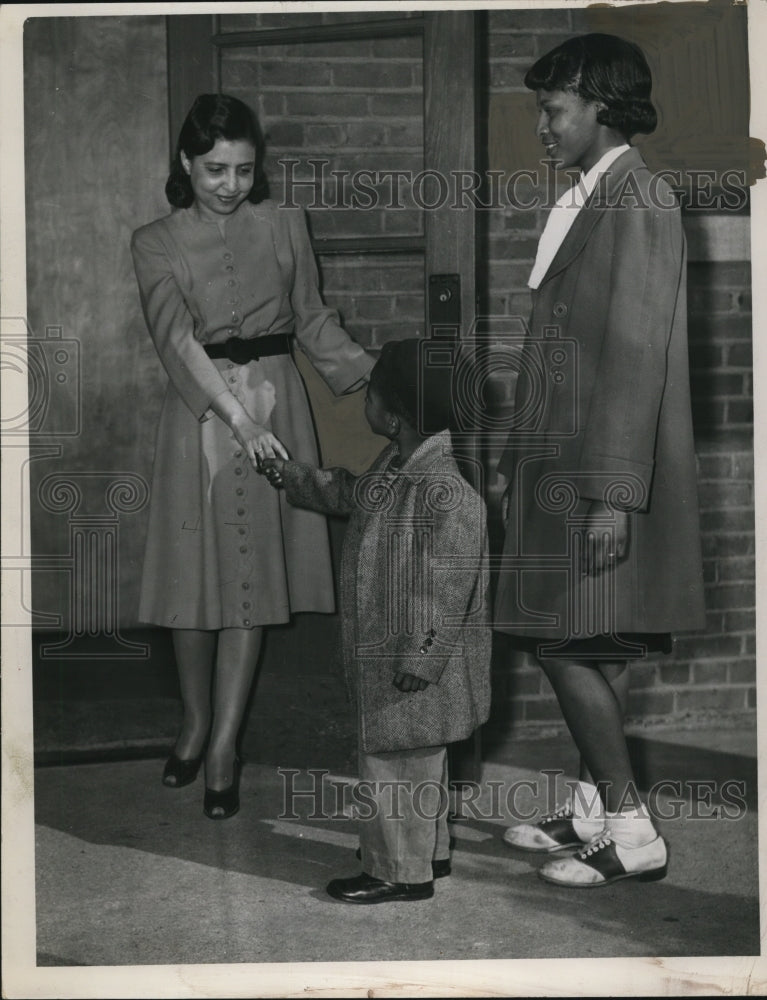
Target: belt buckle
237, 350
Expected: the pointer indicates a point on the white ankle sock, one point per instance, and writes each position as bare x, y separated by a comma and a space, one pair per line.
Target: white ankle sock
631, 828
587, 803
588, 810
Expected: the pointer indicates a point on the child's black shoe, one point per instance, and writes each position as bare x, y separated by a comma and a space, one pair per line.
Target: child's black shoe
366, 889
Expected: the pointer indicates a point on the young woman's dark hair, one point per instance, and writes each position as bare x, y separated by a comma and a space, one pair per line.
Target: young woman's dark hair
213, 117
601, 68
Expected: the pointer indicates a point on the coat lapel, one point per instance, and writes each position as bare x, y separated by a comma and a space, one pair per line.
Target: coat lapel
605, 190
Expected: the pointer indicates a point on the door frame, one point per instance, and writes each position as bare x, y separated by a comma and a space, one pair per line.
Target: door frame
195, 43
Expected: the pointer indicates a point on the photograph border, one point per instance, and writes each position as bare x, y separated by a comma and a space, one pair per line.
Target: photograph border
746, 975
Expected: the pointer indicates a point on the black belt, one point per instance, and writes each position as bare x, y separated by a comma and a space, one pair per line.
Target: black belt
242, 351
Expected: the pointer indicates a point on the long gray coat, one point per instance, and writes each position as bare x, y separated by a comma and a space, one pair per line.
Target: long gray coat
603, 412
414, 593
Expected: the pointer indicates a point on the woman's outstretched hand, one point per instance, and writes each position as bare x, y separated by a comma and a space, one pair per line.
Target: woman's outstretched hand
604, 539
272, 469
257, 441
253, 438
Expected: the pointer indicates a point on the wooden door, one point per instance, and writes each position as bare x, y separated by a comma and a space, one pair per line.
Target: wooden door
388, 98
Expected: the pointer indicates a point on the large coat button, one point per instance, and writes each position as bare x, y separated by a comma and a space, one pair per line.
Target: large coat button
560, 309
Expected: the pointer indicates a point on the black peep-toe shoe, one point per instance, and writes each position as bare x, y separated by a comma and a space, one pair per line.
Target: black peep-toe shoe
178, 772
222, 805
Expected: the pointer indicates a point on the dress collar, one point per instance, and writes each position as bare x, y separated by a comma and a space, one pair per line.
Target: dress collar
565, 211
588, 180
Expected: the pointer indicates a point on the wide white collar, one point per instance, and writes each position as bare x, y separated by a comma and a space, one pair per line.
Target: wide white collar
565, 211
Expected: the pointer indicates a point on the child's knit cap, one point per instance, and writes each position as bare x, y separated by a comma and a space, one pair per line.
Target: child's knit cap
420, 392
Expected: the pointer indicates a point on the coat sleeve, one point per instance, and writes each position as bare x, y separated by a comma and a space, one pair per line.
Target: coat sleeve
450, 595
341, 361
618, 444
329, 491
171, 326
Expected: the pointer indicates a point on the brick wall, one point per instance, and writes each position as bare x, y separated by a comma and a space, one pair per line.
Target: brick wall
334, 114
357, 106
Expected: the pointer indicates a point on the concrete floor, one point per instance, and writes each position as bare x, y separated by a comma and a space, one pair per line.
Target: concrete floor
132, 878
129, 872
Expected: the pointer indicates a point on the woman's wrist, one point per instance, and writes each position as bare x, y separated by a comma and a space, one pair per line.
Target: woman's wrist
230, 410
245, 427
240, 421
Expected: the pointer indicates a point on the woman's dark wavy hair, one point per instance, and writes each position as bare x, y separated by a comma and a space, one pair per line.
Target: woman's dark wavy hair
601, 68
213, 117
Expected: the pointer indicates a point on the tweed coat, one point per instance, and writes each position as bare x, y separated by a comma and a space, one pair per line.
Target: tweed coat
223, 548
602, 412
414, 593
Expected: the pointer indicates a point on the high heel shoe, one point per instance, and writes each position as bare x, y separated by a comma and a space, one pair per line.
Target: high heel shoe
223, 804
178, 772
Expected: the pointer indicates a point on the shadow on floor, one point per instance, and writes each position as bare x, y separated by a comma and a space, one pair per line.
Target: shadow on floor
114, 843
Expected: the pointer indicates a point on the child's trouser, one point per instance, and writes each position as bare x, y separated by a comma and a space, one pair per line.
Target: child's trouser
403, 813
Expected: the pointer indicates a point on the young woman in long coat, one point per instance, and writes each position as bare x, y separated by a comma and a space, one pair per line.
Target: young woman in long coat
602, 557
228, 286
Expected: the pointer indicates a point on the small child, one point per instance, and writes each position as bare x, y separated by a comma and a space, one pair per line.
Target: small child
414, 606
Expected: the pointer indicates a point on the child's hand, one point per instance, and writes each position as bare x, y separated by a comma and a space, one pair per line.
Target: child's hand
409, 682
272, 469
